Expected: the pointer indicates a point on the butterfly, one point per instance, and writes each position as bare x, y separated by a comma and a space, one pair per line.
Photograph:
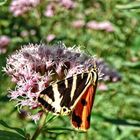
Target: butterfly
72, 96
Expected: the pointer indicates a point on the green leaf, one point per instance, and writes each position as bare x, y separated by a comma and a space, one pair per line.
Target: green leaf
2, 2
7, 135
18, 130
50, 119
133, 5
4, 98
135, 65
60, 128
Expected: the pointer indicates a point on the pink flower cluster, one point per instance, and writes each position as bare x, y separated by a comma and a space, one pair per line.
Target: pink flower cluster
4, 42
34, 67
49, 12
105, 25
50, 37
109, 74
51, 7
78, 23
19, 7
68, 4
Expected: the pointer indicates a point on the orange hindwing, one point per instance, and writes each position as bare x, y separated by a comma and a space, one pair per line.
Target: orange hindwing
82, 111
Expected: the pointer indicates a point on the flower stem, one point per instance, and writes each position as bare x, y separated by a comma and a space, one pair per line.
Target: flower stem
40, 126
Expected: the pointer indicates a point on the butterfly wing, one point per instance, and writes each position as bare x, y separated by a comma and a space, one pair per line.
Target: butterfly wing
82, 111
61, 97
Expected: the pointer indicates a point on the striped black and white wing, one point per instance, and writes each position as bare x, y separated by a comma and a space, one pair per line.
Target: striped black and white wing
61, 97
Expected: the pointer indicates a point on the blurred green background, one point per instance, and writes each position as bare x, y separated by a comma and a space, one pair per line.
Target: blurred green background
116, 111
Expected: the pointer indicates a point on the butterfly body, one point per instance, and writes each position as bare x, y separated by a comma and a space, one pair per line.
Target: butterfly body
63, 97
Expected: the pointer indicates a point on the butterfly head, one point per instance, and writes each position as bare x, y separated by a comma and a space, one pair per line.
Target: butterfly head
93, 72
94, 67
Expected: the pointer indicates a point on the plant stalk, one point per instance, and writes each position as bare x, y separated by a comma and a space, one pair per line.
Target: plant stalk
40, 126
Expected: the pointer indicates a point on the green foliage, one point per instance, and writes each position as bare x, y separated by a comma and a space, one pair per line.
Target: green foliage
116, 112
6, 135
130, 6
18, 130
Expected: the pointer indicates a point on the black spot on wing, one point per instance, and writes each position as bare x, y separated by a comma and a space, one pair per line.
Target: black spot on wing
49, 92
76, 119
83, 102
64, 109
46, 105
